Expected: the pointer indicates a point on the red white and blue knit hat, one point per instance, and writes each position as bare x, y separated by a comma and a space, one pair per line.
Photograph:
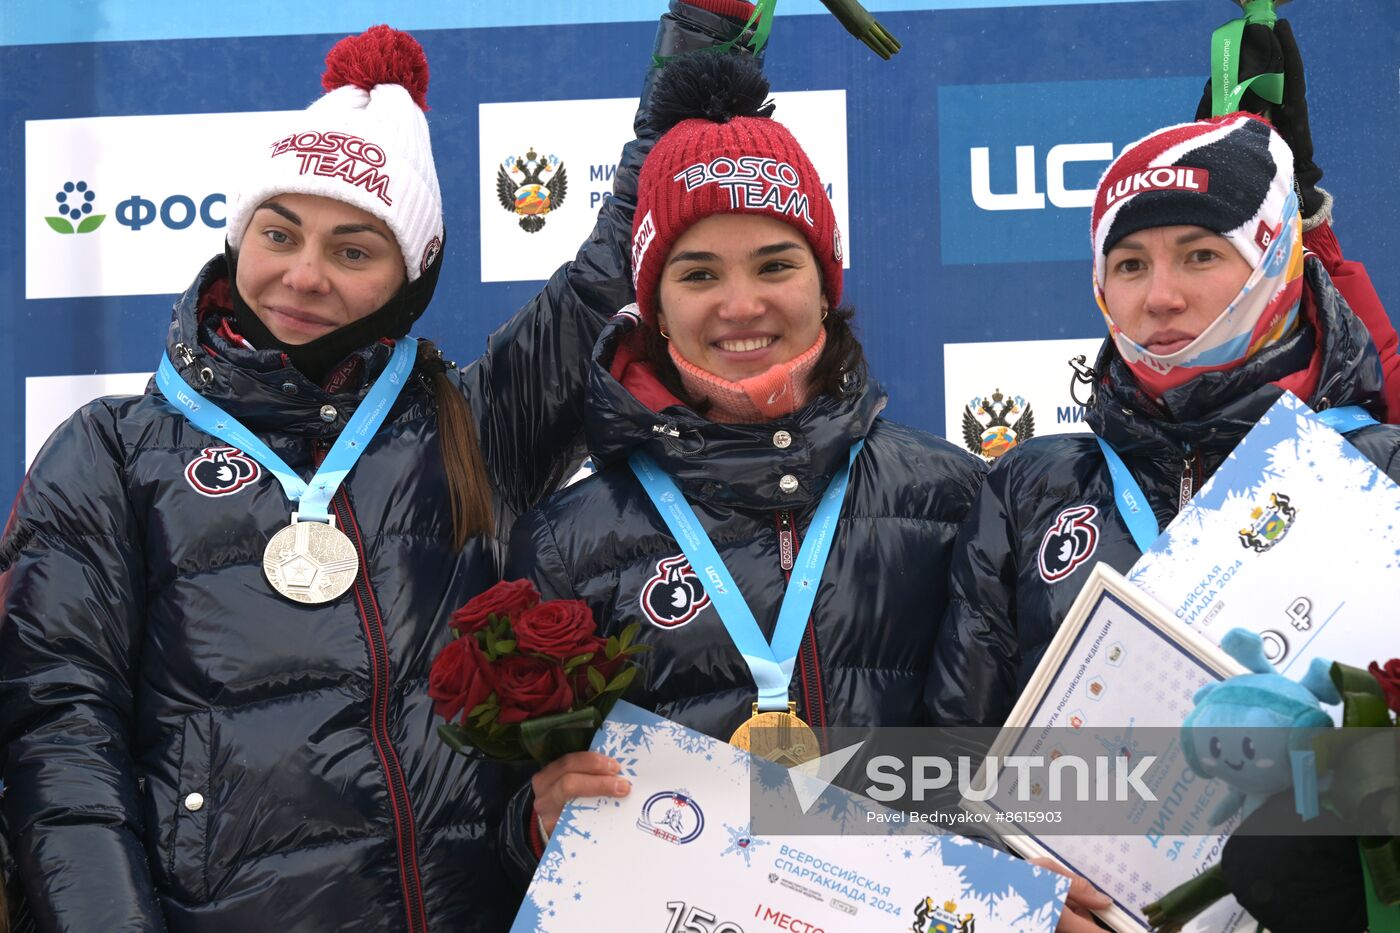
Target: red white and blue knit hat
1233, 176
365, 142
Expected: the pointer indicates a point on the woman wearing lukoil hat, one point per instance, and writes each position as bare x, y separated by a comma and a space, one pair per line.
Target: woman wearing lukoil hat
737, 392
1214, 309
222, 598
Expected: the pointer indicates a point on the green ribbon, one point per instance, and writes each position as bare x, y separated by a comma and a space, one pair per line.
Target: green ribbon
1226, 88
1177, 907
1380, 863
1364, 706
546, 738
760, 22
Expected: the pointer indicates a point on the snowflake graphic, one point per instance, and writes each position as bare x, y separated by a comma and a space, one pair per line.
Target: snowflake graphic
841, 808
550, 866
742, 842
687, 740
770, 776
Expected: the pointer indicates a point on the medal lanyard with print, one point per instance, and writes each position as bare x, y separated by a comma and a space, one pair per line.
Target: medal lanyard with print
770, 664
1132, 503
311, 498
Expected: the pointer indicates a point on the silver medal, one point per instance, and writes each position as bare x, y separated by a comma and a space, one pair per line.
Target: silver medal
310, 561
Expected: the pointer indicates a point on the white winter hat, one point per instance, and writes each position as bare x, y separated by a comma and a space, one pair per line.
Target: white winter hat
365, 142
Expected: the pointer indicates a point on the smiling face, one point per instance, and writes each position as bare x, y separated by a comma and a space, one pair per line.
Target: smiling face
739, 294
1165, 285
309, 265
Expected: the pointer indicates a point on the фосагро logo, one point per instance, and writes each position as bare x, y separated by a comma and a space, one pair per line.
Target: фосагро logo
75, 201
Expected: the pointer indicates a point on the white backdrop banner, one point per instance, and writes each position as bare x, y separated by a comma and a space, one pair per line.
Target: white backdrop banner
105, 194
558, 159
999, 393
50, 400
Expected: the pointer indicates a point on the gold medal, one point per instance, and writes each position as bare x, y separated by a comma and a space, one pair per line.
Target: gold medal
777, 736
310, 561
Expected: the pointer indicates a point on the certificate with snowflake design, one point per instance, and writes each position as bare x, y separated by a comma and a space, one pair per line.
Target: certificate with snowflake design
1117, 643
1296, 536
676, 856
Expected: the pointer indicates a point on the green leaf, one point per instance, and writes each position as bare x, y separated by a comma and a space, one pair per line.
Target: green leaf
505, 646
596, 681
487, 712
60, 224
613, 647
629, 634
573, 663
622, 681
455, 738
90, 224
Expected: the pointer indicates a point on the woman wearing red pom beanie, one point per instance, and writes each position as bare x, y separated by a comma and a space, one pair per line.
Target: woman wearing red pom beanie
221, 598
734, 407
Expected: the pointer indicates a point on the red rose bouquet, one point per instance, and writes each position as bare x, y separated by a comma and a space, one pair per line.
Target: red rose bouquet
528, 679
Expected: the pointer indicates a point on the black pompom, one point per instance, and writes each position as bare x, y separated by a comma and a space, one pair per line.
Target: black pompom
712, 86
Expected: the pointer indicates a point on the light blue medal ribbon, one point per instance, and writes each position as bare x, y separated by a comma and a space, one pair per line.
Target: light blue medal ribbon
1346, 419
1128, 496
1133, 505
770, 664
312, 498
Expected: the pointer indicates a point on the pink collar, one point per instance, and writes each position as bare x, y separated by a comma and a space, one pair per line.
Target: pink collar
778, 391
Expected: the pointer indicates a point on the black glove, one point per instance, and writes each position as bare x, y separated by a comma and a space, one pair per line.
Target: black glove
688, 27
1262, 51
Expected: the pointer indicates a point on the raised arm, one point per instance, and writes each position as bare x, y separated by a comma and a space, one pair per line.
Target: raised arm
527, 391
1275, 50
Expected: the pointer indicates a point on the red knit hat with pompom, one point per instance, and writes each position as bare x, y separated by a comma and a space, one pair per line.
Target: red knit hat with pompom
721, 153
365, 143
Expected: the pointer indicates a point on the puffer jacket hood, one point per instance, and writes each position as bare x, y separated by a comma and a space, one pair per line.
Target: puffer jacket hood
1013, 581
864, 658
261, 388
726, 464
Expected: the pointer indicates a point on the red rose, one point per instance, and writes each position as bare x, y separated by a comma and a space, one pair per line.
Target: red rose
460, 679
1389, 676
504, 599
528, 687
609, 669
559, 628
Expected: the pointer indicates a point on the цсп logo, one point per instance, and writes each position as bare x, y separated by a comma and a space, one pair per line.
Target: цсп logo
75, 201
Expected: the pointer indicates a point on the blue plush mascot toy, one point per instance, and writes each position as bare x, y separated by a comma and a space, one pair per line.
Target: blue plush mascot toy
1255, 731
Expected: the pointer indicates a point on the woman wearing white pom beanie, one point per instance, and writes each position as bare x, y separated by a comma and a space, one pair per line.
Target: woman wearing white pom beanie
221, 598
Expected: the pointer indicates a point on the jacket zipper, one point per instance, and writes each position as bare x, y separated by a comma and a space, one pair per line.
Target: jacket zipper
1190, 467
380, 681
812, 694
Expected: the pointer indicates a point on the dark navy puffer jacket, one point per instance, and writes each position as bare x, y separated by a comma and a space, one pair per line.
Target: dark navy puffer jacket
184, 749
864, 659
1047, 512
